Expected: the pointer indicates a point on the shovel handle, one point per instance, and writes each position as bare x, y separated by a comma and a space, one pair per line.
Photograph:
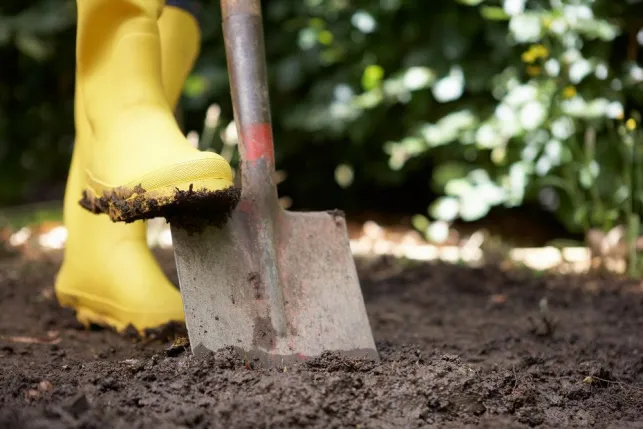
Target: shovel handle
247, 71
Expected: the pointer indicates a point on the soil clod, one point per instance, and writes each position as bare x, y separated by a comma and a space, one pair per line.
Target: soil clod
77, 406
191, 210
177, 347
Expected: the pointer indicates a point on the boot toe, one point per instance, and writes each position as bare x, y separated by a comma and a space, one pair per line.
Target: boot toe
201, 184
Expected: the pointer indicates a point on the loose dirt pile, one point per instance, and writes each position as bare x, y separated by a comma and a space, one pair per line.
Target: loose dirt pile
460, 347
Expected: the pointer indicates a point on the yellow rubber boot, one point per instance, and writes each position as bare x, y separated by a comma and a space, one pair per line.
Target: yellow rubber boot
108, 275
180, 42
141, 166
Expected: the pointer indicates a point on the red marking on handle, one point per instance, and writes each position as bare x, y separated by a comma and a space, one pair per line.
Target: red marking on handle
257, 140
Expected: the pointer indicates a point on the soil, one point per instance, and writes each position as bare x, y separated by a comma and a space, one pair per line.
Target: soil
191, 210
460, 347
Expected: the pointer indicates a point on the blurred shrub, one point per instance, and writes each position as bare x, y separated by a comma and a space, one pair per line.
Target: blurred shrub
502, 101
553, 128
36, 93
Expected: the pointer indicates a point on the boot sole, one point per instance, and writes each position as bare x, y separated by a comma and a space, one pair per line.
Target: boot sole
89, 318
190, 205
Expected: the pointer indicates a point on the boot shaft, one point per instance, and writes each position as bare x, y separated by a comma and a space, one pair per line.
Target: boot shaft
118, 57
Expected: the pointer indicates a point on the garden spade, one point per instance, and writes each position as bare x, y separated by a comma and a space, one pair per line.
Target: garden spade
275, 285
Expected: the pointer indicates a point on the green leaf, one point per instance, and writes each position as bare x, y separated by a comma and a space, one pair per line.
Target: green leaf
448, 171
493, 13
420, 222
195, 86
611, 215
580, 215
470, 2
458, 187
587, 175
32, 46
372, 77
325, 37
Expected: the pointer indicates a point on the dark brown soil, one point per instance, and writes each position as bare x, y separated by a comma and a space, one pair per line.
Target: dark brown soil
460, 348
191, 210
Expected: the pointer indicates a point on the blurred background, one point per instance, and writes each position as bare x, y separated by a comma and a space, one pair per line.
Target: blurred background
519, 116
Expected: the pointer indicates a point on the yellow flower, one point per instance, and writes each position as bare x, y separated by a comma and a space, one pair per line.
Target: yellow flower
534, 52
630, 124
569, 92
527, 57
541, 51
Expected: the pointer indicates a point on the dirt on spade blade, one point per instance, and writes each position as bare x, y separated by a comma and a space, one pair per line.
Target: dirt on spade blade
460, 348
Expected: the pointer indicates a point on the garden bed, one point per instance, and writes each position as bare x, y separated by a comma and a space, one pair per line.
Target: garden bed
459, 347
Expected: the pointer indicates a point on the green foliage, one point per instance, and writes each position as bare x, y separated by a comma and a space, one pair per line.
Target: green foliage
509, 100
36, 93
549, 131
505, 101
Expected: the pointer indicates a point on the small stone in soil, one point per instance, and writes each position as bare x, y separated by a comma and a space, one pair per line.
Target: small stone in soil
77, 406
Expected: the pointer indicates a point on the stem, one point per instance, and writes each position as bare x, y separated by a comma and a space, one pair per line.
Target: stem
631, 218
227, 152
632, 235
590, 155
635, 220
637, 173
575, 197
207, 138
573, 176
628, 179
